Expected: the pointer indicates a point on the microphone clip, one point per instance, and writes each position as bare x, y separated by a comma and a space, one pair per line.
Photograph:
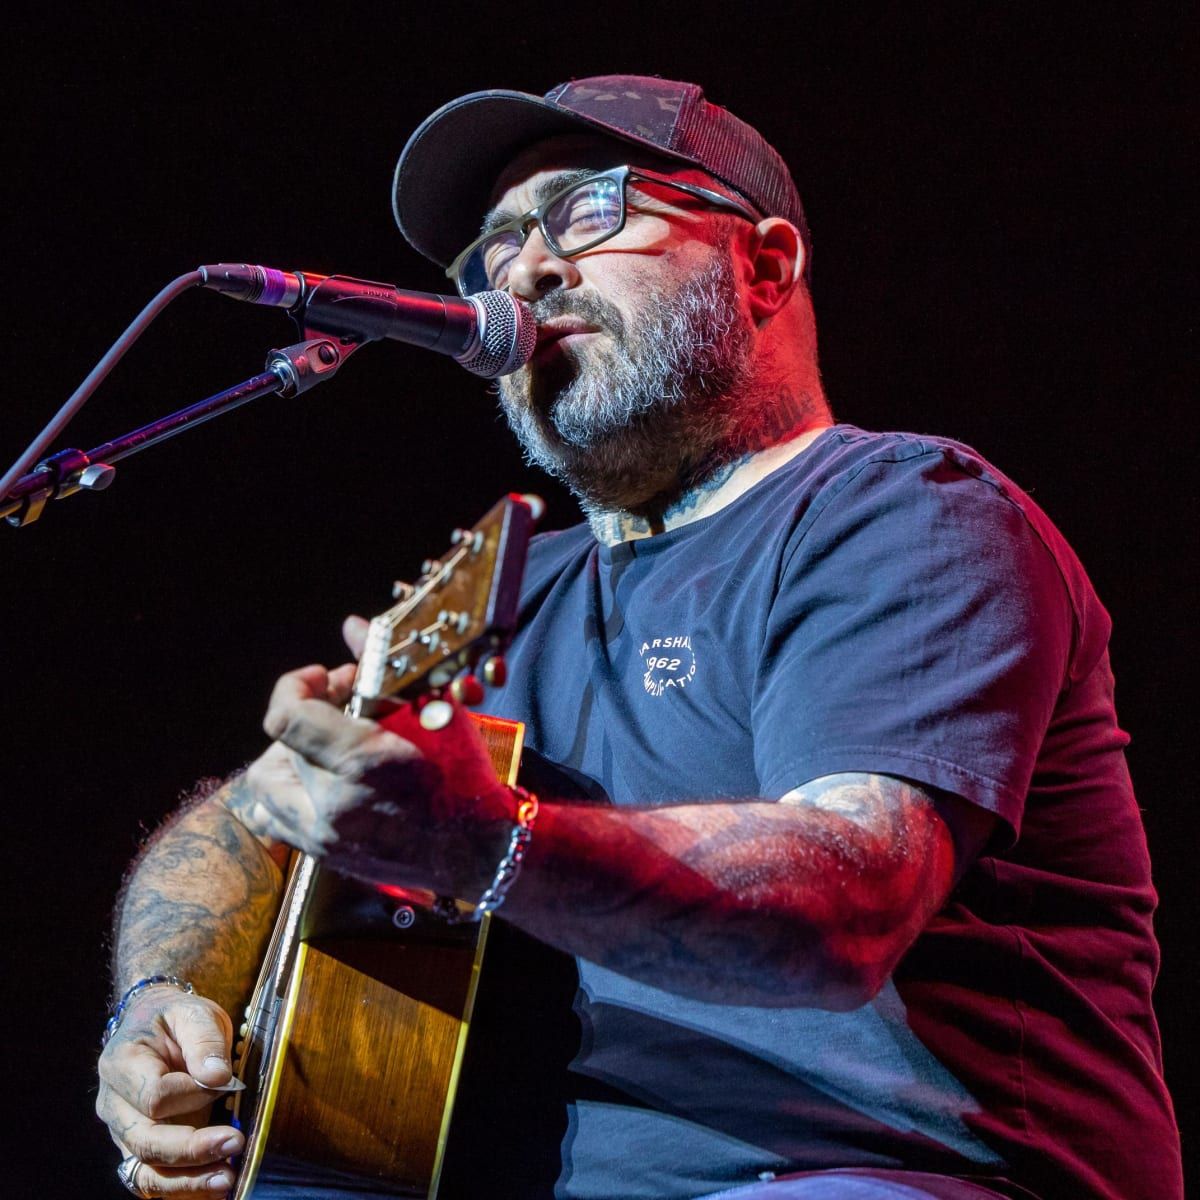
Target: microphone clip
305, 364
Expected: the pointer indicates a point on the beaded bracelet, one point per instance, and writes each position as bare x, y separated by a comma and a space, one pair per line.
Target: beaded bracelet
506, 870
142, 985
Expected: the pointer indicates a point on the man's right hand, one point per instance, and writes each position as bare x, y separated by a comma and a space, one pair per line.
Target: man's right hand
151, 1102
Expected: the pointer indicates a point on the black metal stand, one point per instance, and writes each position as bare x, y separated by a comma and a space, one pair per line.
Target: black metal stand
290, 371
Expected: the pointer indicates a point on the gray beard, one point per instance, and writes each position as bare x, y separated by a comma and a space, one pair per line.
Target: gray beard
638, 422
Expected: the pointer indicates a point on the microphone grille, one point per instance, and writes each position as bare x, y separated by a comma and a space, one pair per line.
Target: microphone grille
506, 336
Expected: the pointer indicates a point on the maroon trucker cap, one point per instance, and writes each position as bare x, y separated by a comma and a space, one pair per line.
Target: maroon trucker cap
446, 173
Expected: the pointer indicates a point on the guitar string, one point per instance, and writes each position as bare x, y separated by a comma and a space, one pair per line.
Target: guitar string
400, 611
420, 637
416, 637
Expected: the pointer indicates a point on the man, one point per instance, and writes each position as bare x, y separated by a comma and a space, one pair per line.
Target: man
860, 906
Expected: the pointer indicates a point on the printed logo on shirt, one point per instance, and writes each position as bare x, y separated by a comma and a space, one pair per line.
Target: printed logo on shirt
669, 663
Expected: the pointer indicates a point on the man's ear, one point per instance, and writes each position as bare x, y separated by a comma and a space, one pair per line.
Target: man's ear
776, 262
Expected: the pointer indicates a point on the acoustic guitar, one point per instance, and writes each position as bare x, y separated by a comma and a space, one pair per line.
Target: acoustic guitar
356, 1029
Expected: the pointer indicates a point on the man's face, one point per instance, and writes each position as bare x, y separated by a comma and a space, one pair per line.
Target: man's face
646, 346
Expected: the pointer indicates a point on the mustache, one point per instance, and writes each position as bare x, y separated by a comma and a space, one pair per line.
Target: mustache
586, 306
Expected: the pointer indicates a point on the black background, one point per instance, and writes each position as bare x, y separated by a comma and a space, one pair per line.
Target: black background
1000, 251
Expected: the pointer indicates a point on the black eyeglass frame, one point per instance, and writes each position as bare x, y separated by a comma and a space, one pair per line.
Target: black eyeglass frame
620, 175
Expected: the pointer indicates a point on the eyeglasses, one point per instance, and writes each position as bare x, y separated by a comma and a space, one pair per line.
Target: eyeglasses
579, 216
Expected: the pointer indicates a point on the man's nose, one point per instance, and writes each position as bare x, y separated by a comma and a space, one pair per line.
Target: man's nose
537, 270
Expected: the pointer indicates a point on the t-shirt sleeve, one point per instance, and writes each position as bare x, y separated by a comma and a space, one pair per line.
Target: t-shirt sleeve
920, 628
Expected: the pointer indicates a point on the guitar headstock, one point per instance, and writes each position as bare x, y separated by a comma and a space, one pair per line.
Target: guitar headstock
461, 611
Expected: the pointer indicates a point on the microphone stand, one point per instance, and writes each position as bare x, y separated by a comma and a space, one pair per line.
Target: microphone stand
290, 371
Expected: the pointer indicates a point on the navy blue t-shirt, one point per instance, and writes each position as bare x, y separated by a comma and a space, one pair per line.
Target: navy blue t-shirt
884, 603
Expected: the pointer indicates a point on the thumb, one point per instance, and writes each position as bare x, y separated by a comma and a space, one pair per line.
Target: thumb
354, 633
203, 1032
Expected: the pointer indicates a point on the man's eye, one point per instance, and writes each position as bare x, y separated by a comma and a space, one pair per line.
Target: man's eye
595, 210
588, 214
497, 258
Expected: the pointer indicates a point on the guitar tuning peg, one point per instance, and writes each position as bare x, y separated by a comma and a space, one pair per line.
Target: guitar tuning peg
437, 572
402, 590
495, 671
466, 689
472, 539
457, 622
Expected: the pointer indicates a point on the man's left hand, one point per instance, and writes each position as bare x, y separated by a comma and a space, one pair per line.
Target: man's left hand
390, 802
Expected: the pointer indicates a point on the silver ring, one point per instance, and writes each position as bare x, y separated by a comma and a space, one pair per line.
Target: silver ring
127, 1174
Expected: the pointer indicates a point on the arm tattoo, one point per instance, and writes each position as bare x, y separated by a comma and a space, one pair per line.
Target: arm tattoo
809, 900
198, 902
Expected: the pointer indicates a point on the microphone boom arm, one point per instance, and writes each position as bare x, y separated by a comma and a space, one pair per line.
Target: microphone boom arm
290, 371
490, 334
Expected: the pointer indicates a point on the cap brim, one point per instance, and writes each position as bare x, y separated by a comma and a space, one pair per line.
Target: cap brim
447, 171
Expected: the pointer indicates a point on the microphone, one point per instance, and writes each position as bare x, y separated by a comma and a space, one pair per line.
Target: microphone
491, 333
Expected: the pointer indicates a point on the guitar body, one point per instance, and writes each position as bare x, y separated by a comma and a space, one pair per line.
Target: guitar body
357, 1026
356, 1033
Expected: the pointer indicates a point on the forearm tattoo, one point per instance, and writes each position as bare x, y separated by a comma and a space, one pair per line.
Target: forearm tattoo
809, 900
198, 902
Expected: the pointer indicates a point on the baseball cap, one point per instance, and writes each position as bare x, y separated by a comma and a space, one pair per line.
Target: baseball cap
447, 171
